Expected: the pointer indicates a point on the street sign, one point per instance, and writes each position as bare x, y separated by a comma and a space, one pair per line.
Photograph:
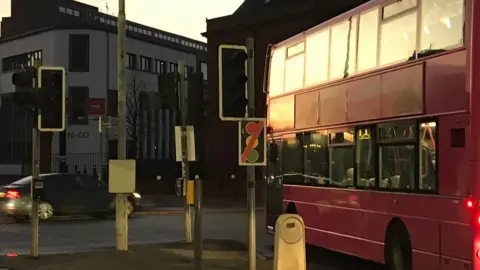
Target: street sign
252, 147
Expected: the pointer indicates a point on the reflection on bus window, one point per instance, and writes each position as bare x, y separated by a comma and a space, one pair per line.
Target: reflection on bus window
397, 166
293, 160
365, 160
315, 146
428, 174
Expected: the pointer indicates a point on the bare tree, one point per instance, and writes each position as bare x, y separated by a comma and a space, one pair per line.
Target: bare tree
136, 88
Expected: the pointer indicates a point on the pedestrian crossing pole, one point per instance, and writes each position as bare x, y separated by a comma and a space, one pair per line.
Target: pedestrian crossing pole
35, 175
252, 240
121, 219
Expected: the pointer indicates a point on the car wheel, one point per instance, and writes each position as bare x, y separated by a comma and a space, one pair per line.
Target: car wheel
45, 211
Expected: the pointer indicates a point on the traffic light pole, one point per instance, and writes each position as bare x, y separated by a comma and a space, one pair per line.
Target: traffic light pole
121, 219
252, 245
185, 173
35, 177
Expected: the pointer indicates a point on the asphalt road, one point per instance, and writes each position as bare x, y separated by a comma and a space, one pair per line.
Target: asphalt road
79, 235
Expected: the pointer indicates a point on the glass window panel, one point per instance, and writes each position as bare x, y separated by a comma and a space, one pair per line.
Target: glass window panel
397, 131
365, 157
398, 7
294, 72
316, 165
442, 24
341, 137
293, 160
277, 70
342, 54
397, 163
317, 58
367, 43
428, 168
398, 39
341, 166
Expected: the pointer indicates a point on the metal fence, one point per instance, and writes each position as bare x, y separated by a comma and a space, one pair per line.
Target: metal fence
85, 163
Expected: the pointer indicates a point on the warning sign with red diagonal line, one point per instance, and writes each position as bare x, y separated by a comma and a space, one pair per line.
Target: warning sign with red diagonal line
251, 142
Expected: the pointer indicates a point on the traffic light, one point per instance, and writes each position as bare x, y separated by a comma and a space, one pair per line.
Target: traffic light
232, 81
24, 81
167, 87
51, 81
195, 99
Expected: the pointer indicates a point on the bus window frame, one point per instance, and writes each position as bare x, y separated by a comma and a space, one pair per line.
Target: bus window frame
373, 138
437, 180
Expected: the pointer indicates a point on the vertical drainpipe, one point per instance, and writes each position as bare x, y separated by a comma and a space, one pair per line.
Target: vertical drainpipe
107, 67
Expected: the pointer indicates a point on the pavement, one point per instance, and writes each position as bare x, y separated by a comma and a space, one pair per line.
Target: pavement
217, 254
93, 240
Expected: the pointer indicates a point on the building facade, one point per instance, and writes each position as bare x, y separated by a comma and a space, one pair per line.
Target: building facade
83, 41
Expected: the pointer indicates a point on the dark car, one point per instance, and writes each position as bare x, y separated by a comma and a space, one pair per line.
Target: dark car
62, 194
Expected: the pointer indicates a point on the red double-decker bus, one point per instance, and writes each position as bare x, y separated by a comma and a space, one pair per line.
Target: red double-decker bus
374, 133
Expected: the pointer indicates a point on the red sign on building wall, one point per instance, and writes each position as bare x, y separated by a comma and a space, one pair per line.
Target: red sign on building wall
96, 106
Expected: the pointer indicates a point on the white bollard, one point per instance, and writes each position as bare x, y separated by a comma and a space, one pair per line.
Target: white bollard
289, 251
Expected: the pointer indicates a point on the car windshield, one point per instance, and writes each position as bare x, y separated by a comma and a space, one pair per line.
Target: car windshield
22, 182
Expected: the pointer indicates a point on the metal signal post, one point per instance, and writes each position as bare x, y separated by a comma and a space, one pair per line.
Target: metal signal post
252, 245
184, 138
35, 176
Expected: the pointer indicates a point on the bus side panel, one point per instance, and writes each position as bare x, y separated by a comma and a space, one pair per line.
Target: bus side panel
355, 221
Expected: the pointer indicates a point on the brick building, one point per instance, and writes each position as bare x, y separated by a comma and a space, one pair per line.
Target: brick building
268, 22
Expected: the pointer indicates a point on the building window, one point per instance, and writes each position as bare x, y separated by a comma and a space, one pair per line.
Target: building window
160, 66
188, 70
315, 150
21, 61
173, 67
341, 159
204, 70
145, 64
112, 103
131, 61
79, 53
365, 157
441, 32
398, 39
367, 40
78, 105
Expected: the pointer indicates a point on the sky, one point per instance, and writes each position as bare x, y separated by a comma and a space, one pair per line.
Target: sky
183, 17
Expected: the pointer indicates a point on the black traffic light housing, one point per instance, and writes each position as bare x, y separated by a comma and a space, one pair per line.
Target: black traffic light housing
25, 95
51, 81
233, 81
167, 88
195, 101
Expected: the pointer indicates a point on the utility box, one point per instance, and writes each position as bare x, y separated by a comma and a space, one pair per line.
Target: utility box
289, 251
121, 176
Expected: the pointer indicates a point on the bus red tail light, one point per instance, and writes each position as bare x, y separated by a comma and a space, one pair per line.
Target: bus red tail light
469, 203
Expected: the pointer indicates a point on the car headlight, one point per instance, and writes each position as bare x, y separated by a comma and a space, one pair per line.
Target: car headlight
136, 195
